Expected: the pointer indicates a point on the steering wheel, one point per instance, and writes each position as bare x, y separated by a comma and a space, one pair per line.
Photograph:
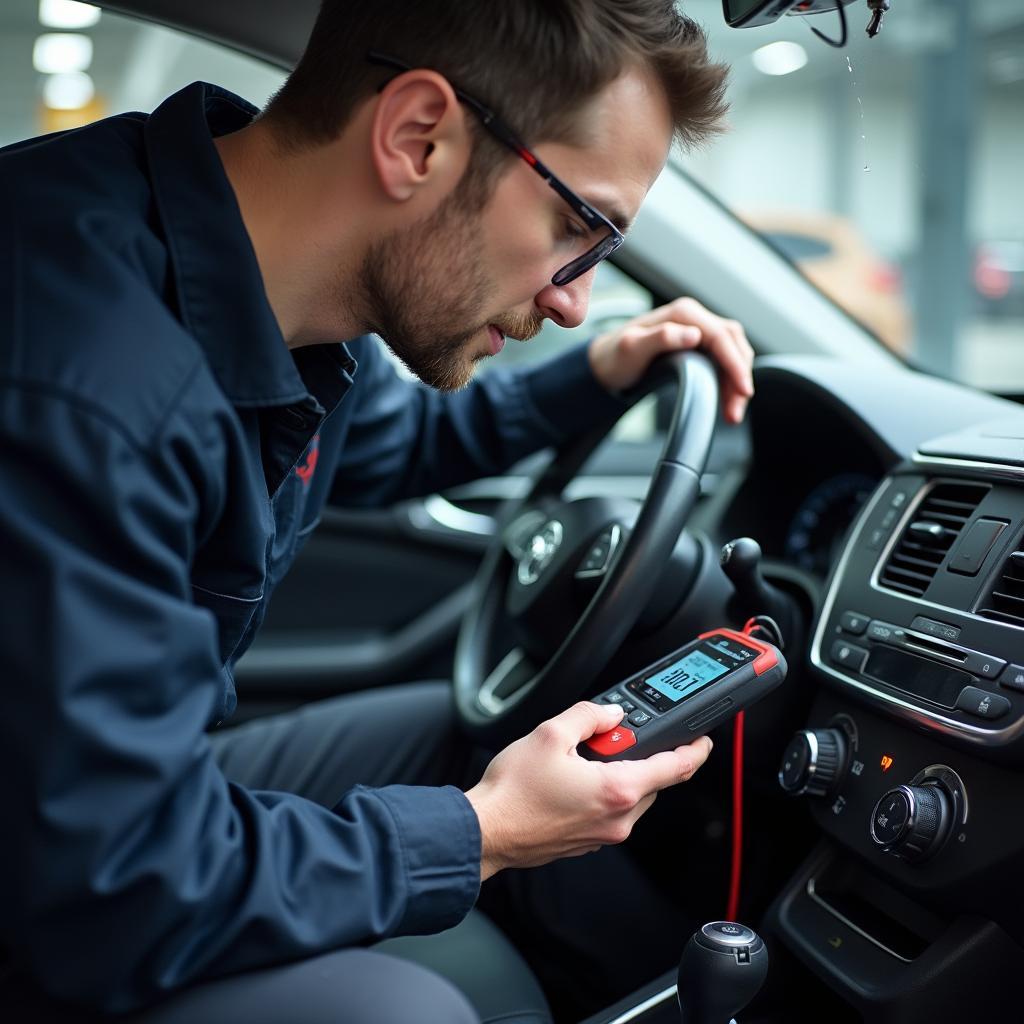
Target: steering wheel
554, 556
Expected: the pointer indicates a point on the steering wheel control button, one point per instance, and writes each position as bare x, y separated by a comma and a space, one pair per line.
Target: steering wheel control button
912, 822
969, 555
932, 627
540, 550
1013, 677
638, 718
981, 703
812, 763
595, 562
849, 655
885, 632
614, 741
854, 622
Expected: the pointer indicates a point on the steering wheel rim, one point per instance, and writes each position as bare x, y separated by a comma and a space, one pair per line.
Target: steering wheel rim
624, 591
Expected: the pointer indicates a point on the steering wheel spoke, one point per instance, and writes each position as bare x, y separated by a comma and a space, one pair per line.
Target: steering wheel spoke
571, 578
508, 682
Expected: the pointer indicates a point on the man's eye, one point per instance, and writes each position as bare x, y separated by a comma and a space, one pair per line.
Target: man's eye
573, 231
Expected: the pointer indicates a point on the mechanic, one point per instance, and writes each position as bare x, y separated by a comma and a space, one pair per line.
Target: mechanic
176, 408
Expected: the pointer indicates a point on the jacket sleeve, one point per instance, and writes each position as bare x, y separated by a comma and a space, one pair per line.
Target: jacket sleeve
406, 439
129, 865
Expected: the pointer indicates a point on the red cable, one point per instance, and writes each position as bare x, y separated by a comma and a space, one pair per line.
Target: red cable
733, 907
732, 910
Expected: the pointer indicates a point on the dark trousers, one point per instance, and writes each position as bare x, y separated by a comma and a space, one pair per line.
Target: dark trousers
590, 928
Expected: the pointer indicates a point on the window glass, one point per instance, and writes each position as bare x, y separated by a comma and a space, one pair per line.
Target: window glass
889, 171
105, 66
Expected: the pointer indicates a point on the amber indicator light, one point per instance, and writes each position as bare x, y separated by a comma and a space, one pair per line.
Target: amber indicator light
886, 762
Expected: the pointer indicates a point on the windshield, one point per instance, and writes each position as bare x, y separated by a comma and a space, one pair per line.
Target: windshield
889, 172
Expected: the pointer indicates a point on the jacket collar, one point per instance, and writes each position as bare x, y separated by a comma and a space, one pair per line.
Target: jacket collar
221, 297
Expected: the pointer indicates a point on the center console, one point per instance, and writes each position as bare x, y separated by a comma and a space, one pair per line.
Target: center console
913, 754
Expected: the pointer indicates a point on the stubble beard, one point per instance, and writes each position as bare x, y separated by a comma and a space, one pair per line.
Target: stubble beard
419, 281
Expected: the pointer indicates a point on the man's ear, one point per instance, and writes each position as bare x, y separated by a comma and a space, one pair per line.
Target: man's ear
418, 136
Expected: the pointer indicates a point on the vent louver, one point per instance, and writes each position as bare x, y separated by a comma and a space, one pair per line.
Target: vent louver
927, 538
1005, 601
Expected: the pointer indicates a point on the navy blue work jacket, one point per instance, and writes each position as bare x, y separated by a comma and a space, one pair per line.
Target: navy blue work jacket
162, 456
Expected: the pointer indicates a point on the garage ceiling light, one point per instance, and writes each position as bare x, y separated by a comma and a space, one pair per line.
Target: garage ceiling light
779, 58
58, 52
70, 91
67, 14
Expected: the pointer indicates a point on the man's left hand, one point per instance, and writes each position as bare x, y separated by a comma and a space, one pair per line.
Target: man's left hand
620, 358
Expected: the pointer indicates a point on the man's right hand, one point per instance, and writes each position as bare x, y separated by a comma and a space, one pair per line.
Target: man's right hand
539, 800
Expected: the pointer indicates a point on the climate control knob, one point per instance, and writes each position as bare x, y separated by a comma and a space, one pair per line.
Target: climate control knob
912, 822
813, 762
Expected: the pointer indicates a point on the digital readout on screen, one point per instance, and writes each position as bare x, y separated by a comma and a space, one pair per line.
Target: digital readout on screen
687, 675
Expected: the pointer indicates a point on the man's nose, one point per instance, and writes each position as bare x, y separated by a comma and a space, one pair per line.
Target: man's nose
567, 304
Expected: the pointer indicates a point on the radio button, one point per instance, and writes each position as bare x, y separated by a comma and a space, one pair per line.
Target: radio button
941, 630
983, 664
981, 703
849, 655
853, 622
885, 632
1013, 677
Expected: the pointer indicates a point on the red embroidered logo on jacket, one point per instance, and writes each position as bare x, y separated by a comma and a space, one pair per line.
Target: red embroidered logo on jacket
305, 470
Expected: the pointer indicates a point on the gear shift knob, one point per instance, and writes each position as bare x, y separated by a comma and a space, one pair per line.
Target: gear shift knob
722, 968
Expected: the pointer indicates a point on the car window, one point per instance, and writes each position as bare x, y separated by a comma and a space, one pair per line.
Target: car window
65, 64
902, 155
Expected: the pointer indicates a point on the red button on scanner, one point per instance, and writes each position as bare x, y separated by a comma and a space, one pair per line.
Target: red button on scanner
613, 741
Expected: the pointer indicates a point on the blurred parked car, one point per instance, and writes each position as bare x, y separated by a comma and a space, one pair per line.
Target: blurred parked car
834, 256
999, 278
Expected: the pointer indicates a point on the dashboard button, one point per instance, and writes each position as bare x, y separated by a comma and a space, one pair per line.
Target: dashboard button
967, 557
1013, 677
849, 655
981, 703
854, 622
876, 539
983, 664
942, 630
885, 632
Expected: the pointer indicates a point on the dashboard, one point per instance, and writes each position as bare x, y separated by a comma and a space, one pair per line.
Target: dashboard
912, 759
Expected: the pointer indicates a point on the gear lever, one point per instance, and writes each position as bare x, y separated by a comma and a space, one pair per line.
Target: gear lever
741, 562
722, 968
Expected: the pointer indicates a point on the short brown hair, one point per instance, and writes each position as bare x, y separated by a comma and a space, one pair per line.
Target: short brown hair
534, 62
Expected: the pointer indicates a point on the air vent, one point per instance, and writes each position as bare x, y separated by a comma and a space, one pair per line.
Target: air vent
928, 537
1005, 601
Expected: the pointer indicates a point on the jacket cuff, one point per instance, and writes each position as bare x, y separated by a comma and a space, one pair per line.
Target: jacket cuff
566, 396
439, 838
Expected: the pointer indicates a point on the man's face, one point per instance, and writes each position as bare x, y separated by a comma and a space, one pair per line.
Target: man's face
446, 291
